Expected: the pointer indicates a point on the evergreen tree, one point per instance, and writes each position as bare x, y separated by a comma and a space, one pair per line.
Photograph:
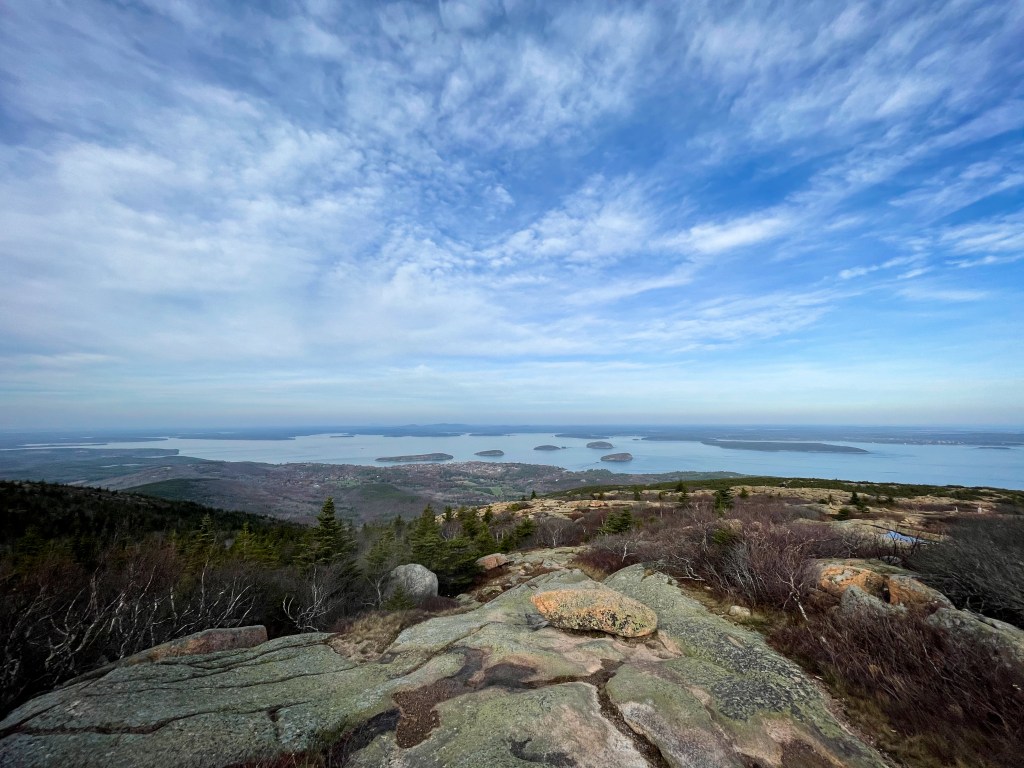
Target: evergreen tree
723, 501
617, 522
456, 568
470, 522
325, 543
203, 546
425, 540
380, 561
245, 545
484, 542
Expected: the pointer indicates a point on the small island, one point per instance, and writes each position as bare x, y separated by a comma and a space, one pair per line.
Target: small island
547, 448
417, 457
600, 444
489, 453
618, 457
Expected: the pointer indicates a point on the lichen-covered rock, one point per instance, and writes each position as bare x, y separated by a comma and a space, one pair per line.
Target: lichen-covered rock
762, 707
1006, 639
836, 577
413, 580
560, 725
492, 686
490, 562
603, 610
856, 601
908, 591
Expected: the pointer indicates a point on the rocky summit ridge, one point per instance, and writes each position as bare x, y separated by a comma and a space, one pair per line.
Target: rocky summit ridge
493, 685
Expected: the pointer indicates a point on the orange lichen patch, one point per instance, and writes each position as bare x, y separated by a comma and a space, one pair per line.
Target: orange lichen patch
604, 610
835, 578
904, 590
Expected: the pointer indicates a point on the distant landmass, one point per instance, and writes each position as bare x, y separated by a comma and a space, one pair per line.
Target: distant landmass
582, 436
547, 448
489, 453
782, 445
600, 444
419, 457
618, 457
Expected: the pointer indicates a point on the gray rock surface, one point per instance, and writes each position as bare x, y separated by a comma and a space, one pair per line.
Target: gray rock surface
415, 581
492, 686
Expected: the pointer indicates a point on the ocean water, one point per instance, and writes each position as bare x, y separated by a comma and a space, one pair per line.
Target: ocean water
884, 462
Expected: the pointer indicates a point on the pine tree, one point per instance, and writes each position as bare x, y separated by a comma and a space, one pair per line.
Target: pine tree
469, 521
203, 546
484, 542
425, 540
617, 522
245, 544
380, 560
325, 540
723, 501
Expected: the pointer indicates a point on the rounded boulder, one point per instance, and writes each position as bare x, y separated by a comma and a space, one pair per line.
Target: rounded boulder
415, 581
604, 610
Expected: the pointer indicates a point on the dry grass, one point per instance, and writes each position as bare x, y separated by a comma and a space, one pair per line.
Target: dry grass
368, 635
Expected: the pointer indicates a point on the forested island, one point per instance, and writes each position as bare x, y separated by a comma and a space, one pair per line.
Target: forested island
418, 457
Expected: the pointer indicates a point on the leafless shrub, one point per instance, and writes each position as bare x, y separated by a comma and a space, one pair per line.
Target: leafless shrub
58, 620
955, 697
979, 566
315, 599
558, 531
770, 564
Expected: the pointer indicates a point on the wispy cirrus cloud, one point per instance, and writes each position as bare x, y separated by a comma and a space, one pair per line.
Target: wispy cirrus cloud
210, 190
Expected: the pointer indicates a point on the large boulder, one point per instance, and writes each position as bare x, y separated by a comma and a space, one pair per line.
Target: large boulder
490, 562
488, 686
909, 592
1005, 639
413, 580
879, 579
603, 610
835, 577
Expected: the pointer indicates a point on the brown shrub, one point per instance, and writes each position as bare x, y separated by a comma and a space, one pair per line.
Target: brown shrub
755, 558
957, 700
979, 566
438, 604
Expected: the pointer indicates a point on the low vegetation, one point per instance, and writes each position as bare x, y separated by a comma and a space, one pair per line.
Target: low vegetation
90, 576
933, 697
979, 566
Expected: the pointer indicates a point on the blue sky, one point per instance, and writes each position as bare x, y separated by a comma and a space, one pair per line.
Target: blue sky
706, 212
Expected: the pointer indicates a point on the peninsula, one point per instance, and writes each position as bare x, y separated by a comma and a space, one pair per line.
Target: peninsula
783, 445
